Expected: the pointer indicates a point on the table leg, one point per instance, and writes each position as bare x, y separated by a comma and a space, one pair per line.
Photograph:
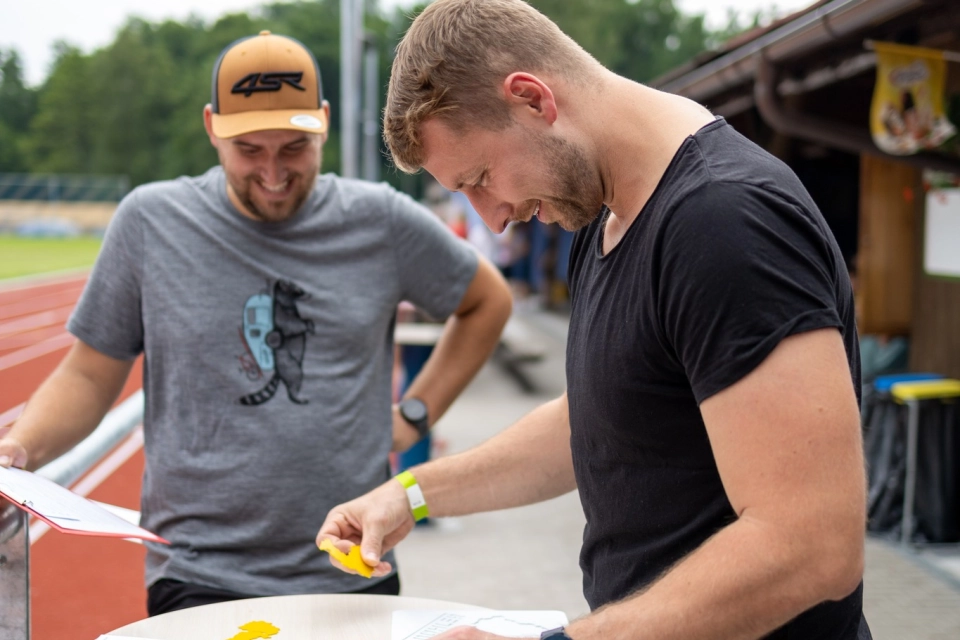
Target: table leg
14, 573
910, 484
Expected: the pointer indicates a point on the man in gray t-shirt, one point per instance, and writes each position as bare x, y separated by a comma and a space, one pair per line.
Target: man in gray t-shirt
264, 298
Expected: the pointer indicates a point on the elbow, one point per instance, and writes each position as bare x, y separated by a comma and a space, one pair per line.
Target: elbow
498, 306
840, 563
504, 306
845, 576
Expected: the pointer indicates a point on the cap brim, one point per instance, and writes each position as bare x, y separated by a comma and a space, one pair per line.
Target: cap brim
237, 124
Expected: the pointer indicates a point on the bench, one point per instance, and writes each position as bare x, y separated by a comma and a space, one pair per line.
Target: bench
518, 346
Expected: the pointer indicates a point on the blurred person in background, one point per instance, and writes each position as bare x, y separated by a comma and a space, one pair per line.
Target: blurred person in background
263, 297
711, 421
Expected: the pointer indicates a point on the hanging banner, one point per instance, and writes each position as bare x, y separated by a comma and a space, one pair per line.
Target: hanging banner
907, 113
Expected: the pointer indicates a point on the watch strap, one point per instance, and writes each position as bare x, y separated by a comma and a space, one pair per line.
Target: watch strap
555, 634
418, 506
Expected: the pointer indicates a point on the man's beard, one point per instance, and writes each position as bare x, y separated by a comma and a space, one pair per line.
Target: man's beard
272, 214
577, 185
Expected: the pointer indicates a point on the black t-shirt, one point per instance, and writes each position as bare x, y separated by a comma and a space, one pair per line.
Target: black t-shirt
727, 258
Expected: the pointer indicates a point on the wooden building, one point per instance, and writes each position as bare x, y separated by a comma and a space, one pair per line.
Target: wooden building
802, 88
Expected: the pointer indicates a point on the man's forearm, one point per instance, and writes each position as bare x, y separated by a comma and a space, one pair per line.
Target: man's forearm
743, 583
528, 462
66, 408
466, 344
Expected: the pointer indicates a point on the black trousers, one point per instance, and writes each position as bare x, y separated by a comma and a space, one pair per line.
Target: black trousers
165, 595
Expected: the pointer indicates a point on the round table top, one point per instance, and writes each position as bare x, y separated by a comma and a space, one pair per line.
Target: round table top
301, 617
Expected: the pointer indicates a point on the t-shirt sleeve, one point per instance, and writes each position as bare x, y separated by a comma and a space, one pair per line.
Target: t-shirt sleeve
741, 269
434, 266
108, 315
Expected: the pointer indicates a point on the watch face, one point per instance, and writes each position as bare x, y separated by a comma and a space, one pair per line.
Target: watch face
413, 409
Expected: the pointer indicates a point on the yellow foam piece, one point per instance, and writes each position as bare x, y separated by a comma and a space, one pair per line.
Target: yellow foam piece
256, 630
351, 560
926, 390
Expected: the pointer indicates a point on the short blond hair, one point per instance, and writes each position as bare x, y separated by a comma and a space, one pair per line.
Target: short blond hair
452, 60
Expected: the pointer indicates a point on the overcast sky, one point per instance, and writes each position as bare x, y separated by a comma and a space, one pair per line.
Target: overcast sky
32, 26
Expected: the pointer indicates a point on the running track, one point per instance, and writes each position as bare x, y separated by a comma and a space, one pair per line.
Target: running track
80, 586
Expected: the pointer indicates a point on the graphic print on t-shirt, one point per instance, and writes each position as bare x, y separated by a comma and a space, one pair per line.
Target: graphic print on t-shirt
275, 337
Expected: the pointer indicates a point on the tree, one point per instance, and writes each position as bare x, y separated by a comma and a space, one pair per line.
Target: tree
134, 106
17, 106
61, 134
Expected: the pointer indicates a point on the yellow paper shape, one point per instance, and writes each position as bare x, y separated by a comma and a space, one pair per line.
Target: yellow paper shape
256, 630
351, 560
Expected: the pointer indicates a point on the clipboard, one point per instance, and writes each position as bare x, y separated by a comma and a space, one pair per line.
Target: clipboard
65, 510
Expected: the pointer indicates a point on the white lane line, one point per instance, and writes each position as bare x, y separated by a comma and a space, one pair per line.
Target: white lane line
33, 306
124, 451
43, 319
44, 280
10, 415
42, 348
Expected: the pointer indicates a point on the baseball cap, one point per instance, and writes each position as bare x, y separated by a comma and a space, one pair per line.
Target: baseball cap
264, 82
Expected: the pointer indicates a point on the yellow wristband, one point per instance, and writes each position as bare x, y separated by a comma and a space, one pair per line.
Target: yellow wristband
418, 506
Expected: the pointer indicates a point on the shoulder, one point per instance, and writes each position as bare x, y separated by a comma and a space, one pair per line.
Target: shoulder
731, 161
379, 202
184, 187
731, 209
351, 192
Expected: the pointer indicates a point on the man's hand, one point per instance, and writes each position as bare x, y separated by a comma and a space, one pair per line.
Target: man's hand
377, 521
12, 453
405, 435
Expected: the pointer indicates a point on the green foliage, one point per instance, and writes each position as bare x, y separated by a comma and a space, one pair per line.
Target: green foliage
17, 105
135, 106
61, 135
638, 40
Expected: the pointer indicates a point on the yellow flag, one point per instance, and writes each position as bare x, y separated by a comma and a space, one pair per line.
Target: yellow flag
907, 113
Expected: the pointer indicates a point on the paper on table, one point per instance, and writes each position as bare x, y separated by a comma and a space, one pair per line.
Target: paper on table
422, 624
64, 510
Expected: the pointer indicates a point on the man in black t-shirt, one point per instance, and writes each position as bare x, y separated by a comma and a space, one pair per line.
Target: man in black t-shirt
711, 422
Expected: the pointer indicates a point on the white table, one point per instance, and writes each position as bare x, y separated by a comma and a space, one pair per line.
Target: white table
304, 617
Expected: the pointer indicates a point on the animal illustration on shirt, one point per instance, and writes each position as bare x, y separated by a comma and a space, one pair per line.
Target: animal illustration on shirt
276, 336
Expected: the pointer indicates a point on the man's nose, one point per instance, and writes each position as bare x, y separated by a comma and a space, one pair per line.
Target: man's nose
492, 212
274, 172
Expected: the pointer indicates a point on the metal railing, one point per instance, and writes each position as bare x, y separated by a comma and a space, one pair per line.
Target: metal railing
63, 187
14, 532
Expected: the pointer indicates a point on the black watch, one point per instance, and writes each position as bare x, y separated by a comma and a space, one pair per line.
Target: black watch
414, 411
555, 634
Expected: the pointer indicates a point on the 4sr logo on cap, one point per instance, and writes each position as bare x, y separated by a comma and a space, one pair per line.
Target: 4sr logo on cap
257, 82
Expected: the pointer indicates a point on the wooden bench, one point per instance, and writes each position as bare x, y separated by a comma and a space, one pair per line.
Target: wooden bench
518, 346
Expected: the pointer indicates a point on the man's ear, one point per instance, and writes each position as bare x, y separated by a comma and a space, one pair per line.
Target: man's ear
208, 124
326, 110
531, 95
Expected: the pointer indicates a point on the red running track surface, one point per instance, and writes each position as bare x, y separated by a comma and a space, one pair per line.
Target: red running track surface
80, 586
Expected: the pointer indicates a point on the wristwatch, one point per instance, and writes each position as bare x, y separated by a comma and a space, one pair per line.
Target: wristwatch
555, 634
414, 411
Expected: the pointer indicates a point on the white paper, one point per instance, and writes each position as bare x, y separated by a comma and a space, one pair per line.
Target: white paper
942, 233
64, 508
420, 624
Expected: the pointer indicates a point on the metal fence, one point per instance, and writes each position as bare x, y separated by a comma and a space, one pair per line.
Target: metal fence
63, 187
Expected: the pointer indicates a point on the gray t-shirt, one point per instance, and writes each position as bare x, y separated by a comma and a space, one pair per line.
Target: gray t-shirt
269, 350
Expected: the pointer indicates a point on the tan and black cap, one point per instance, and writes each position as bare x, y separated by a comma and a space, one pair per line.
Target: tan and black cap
267, 82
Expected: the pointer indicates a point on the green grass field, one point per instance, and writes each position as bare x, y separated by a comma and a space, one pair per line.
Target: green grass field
30, 256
